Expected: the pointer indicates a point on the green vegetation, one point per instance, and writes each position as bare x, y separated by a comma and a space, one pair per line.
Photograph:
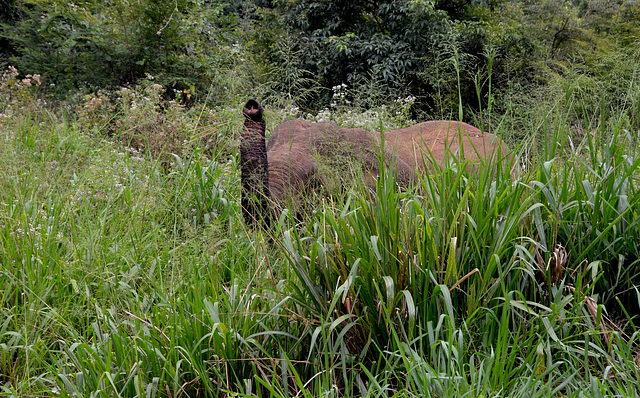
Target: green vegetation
126, 268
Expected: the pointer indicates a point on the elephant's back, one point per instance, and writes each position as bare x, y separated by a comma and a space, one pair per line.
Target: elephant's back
307, 136
432, 139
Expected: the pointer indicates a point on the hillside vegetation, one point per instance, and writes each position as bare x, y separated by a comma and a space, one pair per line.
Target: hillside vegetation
126, 268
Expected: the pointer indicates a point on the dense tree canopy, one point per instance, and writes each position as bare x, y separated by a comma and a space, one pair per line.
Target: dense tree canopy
437, 51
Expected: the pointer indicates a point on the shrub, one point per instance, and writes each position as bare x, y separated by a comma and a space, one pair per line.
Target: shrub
142, 119
19, 95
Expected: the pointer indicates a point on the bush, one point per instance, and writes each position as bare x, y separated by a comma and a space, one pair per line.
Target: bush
19, 95
143, 120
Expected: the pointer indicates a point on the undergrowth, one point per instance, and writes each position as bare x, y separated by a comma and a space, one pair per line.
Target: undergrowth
128, 271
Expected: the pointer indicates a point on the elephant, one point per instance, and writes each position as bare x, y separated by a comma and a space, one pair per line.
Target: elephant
287, 169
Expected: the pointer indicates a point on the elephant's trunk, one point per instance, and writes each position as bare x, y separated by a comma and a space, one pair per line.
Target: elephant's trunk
254, 168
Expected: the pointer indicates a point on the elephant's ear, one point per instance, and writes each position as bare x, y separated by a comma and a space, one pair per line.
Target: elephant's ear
289, 171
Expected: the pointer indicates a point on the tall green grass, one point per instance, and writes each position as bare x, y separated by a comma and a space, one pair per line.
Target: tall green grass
458, 272
121, 277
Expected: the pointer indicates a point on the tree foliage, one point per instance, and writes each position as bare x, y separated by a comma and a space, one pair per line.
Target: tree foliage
116, 42
437, 51
401, 44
